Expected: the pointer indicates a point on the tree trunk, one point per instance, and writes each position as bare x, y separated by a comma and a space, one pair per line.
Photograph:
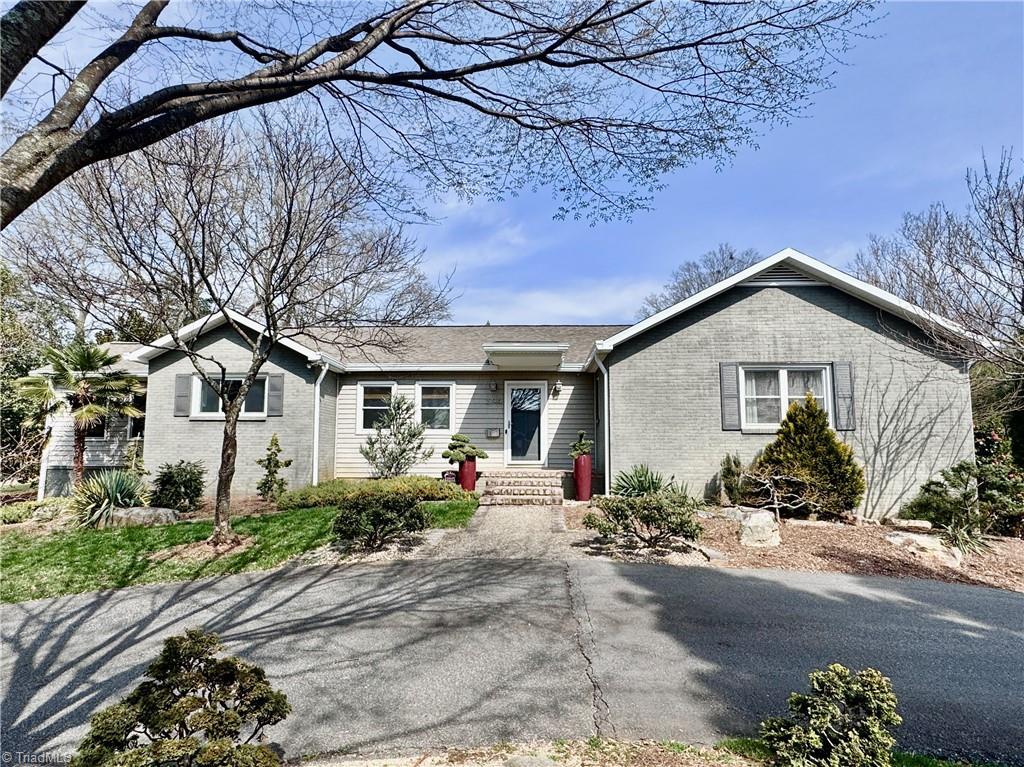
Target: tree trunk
223, 535
78, 464
26, 28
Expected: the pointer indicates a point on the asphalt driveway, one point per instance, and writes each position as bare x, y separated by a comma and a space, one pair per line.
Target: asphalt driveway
407, 655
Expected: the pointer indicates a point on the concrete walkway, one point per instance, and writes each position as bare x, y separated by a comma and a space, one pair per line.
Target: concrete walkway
511, 532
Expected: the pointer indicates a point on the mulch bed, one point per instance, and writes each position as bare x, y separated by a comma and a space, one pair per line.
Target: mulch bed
249, 506
860, 550
201, 551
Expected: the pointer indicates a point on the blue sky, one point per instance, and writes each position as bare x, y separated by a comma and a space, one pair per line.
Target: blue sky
916, 106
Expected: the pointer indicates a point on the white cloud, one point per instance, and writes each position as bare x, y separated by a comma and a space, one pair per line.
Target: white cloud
591, 302
502, 244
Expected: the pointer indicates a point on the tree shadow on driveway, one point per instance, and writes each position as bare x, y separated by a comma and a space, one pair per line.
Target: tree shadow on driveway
699, 653
371, 656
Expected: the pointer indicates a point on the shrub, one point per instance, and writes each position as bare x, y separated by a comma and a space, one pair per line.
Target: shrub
460, 448
271, 486
332, 493
844, 722
372, 515
133, 463
971, 500
179, 485
396, 444
95, 498
14, 513
582, 446
192, 710
641, 480
651, 518
806, 447
730, 477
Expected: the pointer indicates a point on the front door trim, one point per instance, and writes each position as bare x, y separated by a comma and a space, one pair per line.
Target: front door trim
543, 386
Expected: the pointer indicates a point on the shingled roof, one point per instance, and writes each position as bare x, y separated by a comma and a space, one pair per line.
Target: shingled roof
463, 344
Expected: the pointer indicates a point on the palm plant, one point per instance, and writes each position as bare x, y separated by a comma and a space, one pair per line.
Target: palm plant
84, 383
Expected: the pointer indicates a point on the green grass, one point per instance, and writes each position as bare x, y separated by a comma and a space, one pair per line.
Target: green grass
80, 560
454, 513
752, 748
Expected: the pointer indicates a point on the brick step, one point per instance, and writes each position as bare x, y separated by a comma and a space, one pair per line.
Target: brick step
521, 500
522, 490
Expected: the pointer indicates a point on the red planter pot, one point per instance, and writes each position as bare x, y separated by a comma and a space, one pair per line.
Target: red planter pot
467, 474
581, 474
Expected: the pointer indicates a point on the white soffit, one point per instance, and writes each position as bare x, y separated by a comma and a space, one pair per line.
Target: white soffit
526, 356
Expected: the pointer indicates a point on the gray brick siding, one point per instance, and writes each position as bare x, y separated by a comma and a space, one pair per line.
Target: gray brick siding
170, 438
913, 409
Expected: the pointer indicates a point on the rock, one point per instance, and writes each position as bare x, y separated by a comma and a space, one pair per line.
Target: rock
712, 555
759, 529
810, 523
907, 524
142, 516
927, 547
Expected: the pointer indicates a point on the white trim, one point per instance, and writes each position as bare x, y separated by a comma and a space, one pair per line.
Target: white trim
215, 320
606, 406
446, 367
778, 367
195, 414
315, 479
517, 347
451, 403
359, 401
44, 458
818, 269
543, 386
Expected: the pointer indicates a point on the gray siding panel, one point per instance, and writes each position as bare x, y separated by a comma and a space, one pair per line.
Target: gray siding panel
477, 409
169, 439
912, 414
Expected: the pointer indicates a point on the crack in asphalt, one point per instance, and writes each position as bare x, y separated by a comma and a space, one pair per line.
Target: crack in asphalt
584, 636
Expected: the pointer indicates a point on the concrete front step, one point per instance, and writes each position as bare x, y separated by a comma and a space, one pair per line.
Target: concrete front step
524, 474
522, 490
520, 500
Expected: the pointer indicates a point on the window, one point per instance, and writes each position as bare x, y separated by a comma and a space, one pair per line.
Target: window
137, 426
769, 391
374, 401
208, 403
98, 430
434, 403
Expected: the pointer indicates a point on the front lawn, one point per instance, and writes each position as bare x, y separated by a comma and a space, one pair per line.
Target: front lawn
78, 560
81, 559
453, 513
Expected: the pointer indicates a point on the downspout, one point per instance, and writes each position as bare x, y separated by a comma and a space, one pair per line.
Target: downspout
316, 421
606, 407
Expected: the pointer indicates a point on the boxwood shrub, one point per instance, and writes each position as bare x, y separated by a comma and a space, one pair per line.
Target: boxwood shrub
335, 491
371, 514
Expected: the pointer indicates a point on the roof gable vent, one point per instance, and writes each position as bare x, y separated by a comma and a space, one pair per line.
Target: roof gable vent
778, 276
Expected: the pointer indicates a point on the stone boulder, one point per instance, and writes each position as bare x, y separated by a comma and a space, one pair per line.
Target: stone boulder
759, 529
907, 524
927, 548
142, 516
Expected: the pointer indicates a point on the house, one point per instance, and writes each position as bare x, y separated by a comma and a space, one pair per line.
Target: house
711, 375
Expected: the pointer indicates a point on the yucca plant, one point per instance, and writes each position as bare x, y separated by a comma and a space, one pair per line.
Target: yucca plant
96, 498
641, 480
84, 383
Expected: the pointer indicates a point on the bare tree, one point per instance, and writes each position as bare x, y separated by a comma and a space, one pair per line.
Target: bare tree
212, 220
693, 276
595, 98
966, 267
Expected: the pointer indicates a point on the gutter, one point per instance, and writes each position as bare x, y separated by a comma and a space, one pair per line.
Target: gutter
606, 453
315, 470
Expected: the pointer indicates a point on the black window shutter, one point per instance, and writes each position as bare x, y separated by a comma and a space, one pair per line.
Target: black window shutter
275, 394
842, 383
729, 375
183, 395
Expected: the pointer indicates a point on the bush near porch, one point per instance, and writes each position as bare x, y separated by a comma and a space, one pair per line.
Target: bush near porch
332, 493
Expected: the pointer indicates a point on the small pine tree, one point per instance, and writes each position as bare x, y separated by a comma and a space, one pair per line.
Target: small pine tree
133, 463
807, 447
461, 449
396, 444
271, 486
